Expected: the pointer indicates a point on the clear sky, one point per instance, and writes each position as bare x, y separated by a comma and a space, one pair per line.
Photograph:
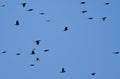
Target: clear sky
87, 46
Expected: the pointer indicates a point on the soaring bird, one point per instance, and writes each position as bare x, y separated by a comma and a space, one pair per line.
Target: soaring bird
63, 70
82, 2
17, 23
66, 28
4, 51
84, 11
93, 73
37, 42
116, 52
107, 3
3, 5
46, 50
32, 64
103, 18
33, 51
30, 10
37, 59
90, 18
23, 4
42, 13
17, 53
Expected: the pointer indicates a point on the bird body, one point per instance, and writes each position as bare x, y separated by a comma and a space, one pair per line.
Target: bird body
103, 18
66, 28
37, 42
63, 70
17, 23
23, 4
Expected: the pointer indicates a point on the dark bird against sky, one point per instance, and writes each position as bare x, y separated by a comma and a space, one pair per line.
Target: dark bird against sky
103, 18
23, 4
93, 73
66, 28
37, 42
63, 70
116, 52
46, 50
30, 10
17, 23
90, 18
84, 11
107, 3
83, 2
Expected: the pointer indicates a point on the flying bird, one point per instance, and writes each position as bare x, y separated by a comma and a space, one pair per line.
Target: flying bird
116, 52
18, 54
103, 18
84, 11
66, 28
48, 20
37, 42
107, 3
17, 23
83, 2
46, 50
30, 10
41, 13
23, 4
90, 18
4, 51
3, 5
37, 59
33, 51
93, 73
32, 64
63, 70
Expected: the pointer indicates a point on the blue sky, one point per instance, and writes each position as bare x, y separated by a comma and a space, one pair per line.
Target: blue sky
86, 47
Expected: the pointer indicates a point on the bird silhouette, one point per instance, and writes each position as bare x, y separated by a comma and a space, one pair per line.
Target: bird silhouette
18, 54
83, 2
37, 59
90, 18
33, 52
103, 18
17, 23
116, 52
3, 5
66, 28
93, 73
63, 70
30, 10
23, 4
107, 3
37, 42
46, 50
4, 52
41, 13
32, 64
84, 11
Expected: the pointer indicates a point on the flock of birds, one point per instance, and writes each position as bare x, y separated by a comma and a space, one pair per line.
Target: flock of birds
65, 29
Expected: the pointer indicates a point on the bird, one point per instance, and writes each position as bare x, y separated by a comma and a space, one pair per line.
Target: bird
46, 50
3, 5
93, 73
37, 42
30, 10
63, 70
23, 4
33, 51
42, 13
4, 51
90, 18
66, 28
83, 2
84, 11
107, 3
17, 23
32, 64
18, 54
116, 52
103, 18
37, 59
